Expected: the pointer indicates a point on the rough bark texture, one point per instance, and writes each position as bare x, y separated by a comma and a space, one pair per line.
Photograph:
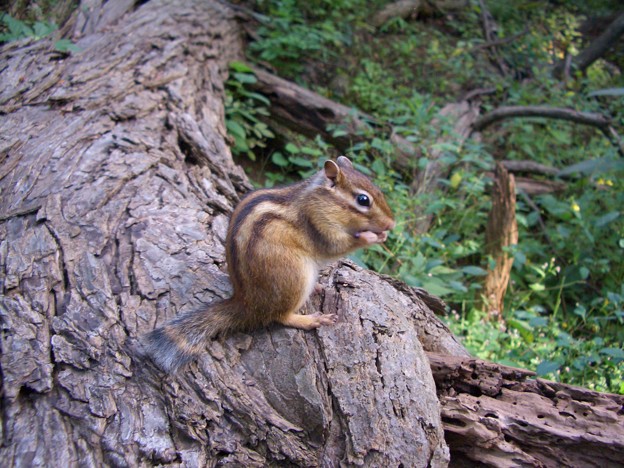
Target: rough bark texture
501, 233
495, 416
115, 189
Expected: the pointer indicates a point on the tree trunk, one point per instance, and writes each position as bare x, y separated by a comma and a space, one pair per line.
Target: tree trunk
115, 189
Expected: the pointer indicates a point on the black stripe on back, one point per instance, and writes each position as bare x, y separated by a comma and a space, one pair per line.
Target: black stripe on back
258, 231
236, 224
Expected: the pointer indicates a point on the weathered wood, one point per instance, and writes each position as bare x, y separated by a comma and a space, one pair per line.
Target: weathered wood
115, 189
497, 416
501, 233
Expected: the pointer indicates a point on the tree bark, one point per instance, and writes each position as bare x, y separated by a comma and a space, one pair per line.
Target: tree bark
115, 189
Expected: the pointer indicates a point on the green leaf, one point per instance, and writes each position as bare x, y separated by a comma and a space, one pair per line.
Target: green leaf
592, 166
436, 287
584, 272
378, 167
474, 270
538, 321
245, 78
240, 67
524, 329
235, 129
442, 270
279, 160
613, 352
292, 149
43, 29
547, 367
606, 219
299, 161
65, 45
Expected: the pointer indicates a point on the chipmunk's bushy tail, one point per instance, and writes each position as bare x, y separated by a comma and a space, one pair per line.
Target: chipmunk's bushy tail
178, 341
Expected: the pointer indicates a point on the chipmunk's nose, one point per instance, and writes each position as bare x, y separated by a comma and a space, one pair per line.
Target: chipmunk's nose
390, 226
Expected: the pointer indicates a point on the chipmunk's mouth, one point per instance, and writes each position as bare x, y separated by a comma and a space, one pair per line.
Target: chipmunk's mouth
372, 237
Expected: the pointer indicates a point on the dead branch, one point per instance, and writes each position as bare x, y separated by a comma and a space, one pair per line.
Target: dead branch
538, 187
400, 9
502, 41
595, 49
593, 119
530, 167
490, 33
501, 232
506, 112
496, 415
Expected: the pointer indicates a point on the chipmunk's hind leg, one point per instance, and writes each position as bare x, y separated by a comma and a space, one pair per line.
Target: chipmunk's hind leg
308, 322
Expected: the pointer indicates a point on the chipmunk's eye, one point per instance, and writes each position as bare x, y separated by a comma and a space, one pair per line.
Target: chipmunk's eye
363, 200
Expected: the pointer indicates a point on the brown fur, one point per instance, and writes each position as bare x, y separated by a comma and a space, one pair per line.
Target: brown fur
277, 240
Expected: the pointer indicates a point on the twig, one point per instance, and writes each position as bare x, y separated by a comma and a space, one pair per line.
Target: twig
491, 35
500, 42
529, 166
599, 121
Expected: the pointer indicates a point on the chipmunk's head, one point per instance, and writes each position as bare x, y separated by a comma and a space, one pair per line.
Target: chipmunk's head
359, 205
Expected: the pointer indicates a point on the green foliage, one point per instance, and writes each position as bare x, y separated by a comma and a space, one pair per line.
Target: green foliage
244, 110
564, 307
14, 29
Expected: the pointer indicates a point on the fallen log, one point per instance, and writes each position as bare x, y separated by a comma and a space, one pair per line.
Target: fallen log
499, 416
407, 8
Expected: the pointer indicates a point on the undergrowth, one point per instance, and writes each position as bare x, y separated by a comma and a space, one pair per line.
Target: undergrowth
564, 308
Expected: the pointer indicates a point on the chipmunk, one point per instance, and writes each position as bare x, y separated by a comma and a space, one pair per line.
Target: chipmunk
277, 240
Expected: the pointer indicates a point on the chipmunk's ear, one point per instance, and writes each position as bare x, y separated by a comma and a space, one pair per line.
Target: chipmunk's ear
332, 172
343, 161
